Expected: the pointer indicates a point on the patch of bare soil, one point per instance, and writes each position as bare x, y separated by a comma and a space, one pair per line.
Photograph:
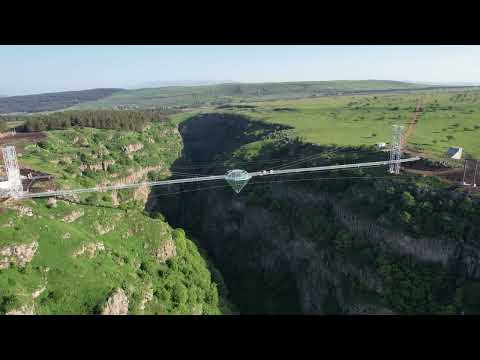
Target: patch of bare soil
20, 140
32, 136
426, 168
413, 123
36, 177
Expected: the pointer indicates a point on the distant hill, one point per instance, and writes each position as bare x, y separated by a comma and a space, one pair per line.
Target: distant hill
51, 101
465, 83
199, 95
157, 84
186, 96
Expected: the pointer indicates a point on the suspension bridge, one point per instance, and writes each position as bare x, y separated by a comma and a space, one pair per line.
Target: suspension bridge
237, 179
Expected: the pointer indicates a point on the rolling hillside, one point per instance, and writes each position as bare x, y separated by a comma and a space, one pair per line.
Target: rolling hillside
50, 101
187, 96
199, 95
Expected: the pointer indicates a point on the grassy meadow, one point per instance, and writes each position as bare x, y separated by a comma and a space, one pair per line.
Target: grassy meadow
450, 118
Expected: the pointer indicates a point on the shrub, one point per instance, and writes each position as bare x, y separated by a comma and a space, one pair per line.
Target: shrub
407, 199
9, 302
179, 293
158, 215
406, 217
43, 144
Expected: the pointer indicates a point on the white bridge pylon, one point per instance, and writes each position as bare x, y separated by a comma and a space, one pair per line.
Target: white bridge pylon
241, 175
13, 186
396, 148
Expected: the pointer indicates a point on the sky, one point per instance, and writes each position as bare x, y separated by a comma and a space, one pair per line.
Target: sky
37, 69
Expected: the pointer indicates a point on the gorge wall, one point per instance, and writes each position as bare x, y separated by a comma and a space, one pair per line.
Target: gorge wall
297, 248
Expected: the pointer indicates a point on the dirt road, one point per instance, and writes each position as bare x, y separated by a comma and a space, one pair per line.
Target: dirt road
413, 123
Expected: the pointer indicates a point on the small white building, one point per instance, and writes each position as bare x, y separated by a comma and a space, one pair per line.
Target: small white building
455, 153
381, 145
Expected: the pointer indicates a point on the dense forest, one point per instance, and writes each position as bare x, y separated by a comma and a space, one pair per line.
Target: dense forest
105, 119
50, 101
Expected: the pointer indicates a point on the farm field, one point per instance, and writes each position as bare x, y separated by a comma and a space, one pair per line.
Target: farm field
349, 120
449, 119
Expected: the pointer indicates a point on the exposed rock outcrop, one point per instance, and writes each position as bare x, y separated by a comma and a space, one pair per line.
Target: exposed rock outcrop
66, 159
107, 163
167, 251
73, 198
142, 193
435, 250
74, 215
52, 202
104, 229
39, 292
197, 309
23, 210
90, 249
84, 167
115, 200
148, 296
19, 254
24, 310
133, 176
117, 304
132, 148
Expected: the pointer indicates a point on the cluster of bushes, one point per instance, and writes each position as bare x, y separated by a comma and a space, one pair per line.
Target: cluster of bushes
414, 288
129, 120
423, 208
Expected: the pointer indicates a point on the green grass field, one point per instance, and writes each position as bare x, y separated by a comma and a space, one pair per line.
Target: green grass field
184, 96
341, 120
349, 120
451, 118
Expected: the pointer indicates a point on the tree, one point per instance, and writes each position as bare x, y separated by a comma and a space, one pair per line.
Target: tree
408, 200
406, 217
179, 293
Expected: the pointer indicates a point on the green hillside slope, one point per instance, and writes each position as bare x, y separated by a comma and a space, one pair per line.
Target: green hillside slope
100, 252
50, 101
224, 93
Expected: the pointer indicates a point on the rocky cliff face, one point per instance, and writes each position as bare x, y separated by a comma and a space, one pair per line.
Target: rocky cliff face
279, 246
254, 247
